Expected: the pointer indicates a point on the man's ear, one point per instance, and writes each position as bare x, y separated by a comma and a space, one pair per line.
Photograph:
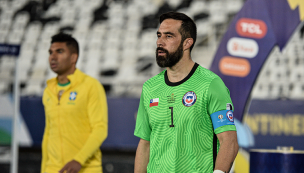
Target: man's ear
188, 42
74, 58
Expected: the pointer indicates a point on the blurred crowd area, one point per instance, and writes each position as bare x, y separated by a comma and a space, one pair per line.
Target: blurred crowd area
118, 40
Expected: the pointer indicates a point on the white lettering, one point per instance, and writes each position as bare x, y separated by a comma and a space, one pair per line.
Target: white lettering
251, 28
236, 67
4, 49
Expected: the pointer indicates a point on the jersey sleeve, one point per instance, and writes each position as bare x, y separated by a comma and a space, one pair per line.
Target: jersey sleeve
220, 107
98, 117
45, 138
142, 127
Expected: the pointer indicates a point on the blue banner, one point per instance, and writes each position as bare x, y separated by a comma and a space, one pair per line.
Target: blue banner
273, 161
6, 49
256, 29
121, 119
276, 123
272, 122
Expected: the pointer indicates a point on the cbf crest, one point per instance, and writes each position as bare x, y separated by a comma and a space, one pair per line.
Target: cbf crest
189, 98
73, 95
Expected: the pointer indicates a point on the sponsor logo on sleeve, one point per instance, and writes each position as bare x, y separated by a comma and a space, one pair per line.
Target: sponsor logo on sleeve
228, 106
220, 116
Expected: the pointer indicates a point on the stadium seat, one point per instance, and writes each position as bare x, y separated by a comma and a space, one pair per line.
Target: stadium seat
4, 4
7, 15
32, 32
130, 39
296, 74
111, 62
198, 7
146, 7
93, 58
41, 60
16, 5
217, 12
113, 37
205, 28
49, 74
6, 76
260, 91
205, 60
3, 88
23, 75
53, 11
233, 6
298, 91
7, 63
132, 10
22, 18
4, 30
68, 17
278, 74
174, 3
24, 67
32, 89
285, 90
274, 91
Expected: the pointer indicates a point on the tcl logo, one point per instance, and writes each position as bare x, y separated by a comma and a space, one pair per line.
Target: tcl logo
251, 28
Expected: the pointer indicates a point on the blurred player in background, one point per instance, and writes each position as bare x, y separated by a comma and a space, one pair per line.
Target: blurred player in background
185, 116
76, 114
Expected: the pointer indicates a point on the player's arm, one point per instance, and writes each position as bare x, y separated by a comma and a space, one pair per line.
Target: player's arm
142, 156
44, 147
143, 131
44, 142
228, 150
220, 108
98, 117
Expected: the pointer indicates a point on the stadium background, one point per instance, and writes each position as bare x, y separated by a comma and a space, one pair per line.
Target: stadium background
117, 46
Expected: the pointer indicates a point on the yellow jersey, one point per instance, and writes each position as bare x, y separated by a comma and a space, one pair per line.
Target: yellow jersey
75, 125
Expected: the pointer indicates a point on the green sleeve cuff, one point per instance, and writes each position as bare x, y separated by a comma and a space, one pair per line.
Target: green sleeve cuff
224, 129
142, 137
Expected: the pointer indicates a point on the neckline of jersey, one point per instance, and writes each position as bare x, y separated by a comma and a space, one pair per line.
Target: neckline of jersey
182, 81
63, 85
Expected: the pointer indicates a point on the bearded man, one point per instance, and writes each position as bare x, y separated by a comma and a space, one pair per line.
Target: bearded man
185, 116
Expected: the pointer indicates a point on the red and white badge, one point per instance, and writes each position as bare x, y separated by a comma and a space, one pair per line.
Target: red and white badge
229, 115
189, 98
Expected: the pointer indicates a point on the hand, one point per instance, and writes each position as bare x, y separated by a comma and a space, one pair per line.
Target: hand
71, 167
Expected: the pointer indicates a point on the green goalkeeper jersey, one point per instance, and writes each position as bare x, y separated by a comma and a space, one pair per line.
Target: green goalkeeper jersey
181, 119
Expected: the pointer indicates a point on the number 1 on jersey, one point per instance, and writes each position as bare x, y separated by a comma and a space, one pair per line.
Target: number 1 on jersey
171, 116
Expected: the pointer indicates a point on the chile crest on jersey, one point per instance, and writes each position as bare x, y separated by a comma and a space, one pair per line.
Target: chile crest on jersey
229, 115
189, 98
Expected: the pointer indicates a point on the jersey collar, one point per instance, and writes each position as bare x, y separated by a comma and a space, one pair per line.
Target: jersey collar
182, 81
75, 78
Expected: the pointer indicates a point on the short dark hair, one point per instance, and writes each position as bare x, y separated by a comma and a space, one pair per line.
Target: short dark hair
71, 42
188, 27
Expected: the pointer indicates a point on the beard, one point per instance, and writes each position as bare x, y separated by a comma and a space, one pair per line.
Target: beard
171, 58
